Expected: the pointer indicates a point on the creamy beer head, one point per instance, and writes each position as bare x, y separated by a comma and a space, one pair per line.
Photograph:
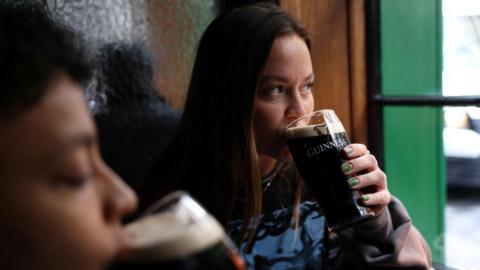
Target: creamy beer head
168, 236
319, 123
313, 131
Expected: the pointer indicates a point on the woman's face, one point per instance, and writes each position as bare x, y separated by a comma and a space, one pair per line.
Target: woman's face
283, 94
61, 206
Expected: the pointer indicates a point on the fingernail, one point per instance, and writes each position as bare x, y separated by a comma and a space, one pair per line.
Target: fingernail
365, 198
347, 167
348, 150
353, 182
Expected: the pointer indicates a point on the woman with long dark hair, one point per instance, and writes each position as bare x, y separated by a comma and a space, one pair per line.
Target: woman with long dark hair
252, 76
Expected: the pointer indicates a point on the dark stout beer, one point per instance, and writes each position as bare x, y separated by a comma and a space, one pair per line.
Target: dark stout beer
165, 241
316, 152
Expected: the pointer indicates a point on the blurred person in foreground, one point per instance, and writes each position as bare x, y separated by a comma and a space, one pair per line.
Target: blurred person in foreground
61, 207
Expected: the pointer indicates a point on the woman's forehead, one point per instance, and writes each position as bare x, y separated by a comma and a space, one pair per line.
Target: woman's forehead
289, 54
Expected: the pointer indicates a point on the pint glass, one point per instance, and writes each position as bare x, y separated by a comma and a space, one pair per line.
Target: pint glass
177, 233
315, 141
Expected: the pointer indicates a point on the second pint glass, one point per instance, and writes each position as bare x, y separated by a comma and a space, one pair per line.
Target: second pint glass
178, 234
315, 141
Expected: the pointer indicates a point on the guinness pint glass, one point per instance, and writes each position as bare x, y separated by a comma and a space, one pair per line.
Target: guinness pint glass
178, 234
315, 141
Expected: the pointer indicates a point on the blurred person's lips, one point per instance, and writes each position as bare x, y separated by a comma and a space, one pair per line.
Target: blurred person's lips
125, 236
125, 246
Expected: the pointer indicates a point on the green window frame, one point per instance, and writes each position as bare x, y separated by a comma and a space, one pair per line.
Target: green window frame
404, 58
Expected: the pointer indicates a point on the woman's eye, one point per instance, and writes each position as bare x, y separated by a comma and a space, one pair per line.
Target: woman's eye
308, 87
273, 91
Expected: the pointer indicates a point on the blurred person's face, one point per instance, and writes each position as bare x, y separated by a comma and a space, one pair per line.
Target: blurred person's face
60, 205
283, 95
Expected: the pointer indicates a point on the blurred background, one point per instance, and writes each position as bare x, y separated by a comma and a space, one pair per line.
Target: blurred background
461, 134
404, 77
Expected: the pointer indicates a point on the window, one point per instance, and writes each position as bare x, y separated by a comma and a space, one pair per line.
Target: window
406, 99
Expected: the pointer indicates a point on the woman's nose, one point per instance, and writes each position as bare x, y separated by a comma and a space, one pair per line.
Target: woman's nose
119, 200
296, 107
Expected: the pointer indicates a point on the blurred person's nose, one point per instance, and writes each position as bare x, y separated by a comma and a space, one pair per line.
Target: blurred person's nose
119, 200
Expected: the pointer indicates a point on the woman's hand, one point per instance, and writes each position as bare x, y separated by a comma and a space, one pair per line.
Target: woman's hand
366, 177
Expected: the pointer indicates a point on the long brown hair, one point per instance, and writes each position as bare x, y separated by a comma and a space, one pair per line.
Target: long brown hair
213, 155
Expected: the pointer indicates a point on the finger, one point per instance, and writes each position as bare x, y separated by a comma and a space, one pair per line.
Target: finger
377, 200
354, 150
359, 164
376, 178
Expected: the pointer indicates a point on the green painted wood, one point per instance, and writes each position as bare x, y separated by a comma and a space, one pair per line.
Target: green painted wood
411, 65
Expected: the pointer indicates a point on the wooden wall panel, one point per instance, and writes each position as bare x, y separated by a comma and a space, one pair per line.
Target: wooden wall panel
358, 70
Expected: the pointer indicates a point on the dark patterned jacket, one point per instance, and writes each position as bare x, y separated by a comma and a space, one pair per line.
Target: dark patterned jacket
389, 241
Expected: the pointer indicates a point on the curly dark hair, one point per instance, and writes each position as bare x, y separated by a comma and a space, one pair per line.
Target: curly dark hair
34, 49
136, 124
126, 72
